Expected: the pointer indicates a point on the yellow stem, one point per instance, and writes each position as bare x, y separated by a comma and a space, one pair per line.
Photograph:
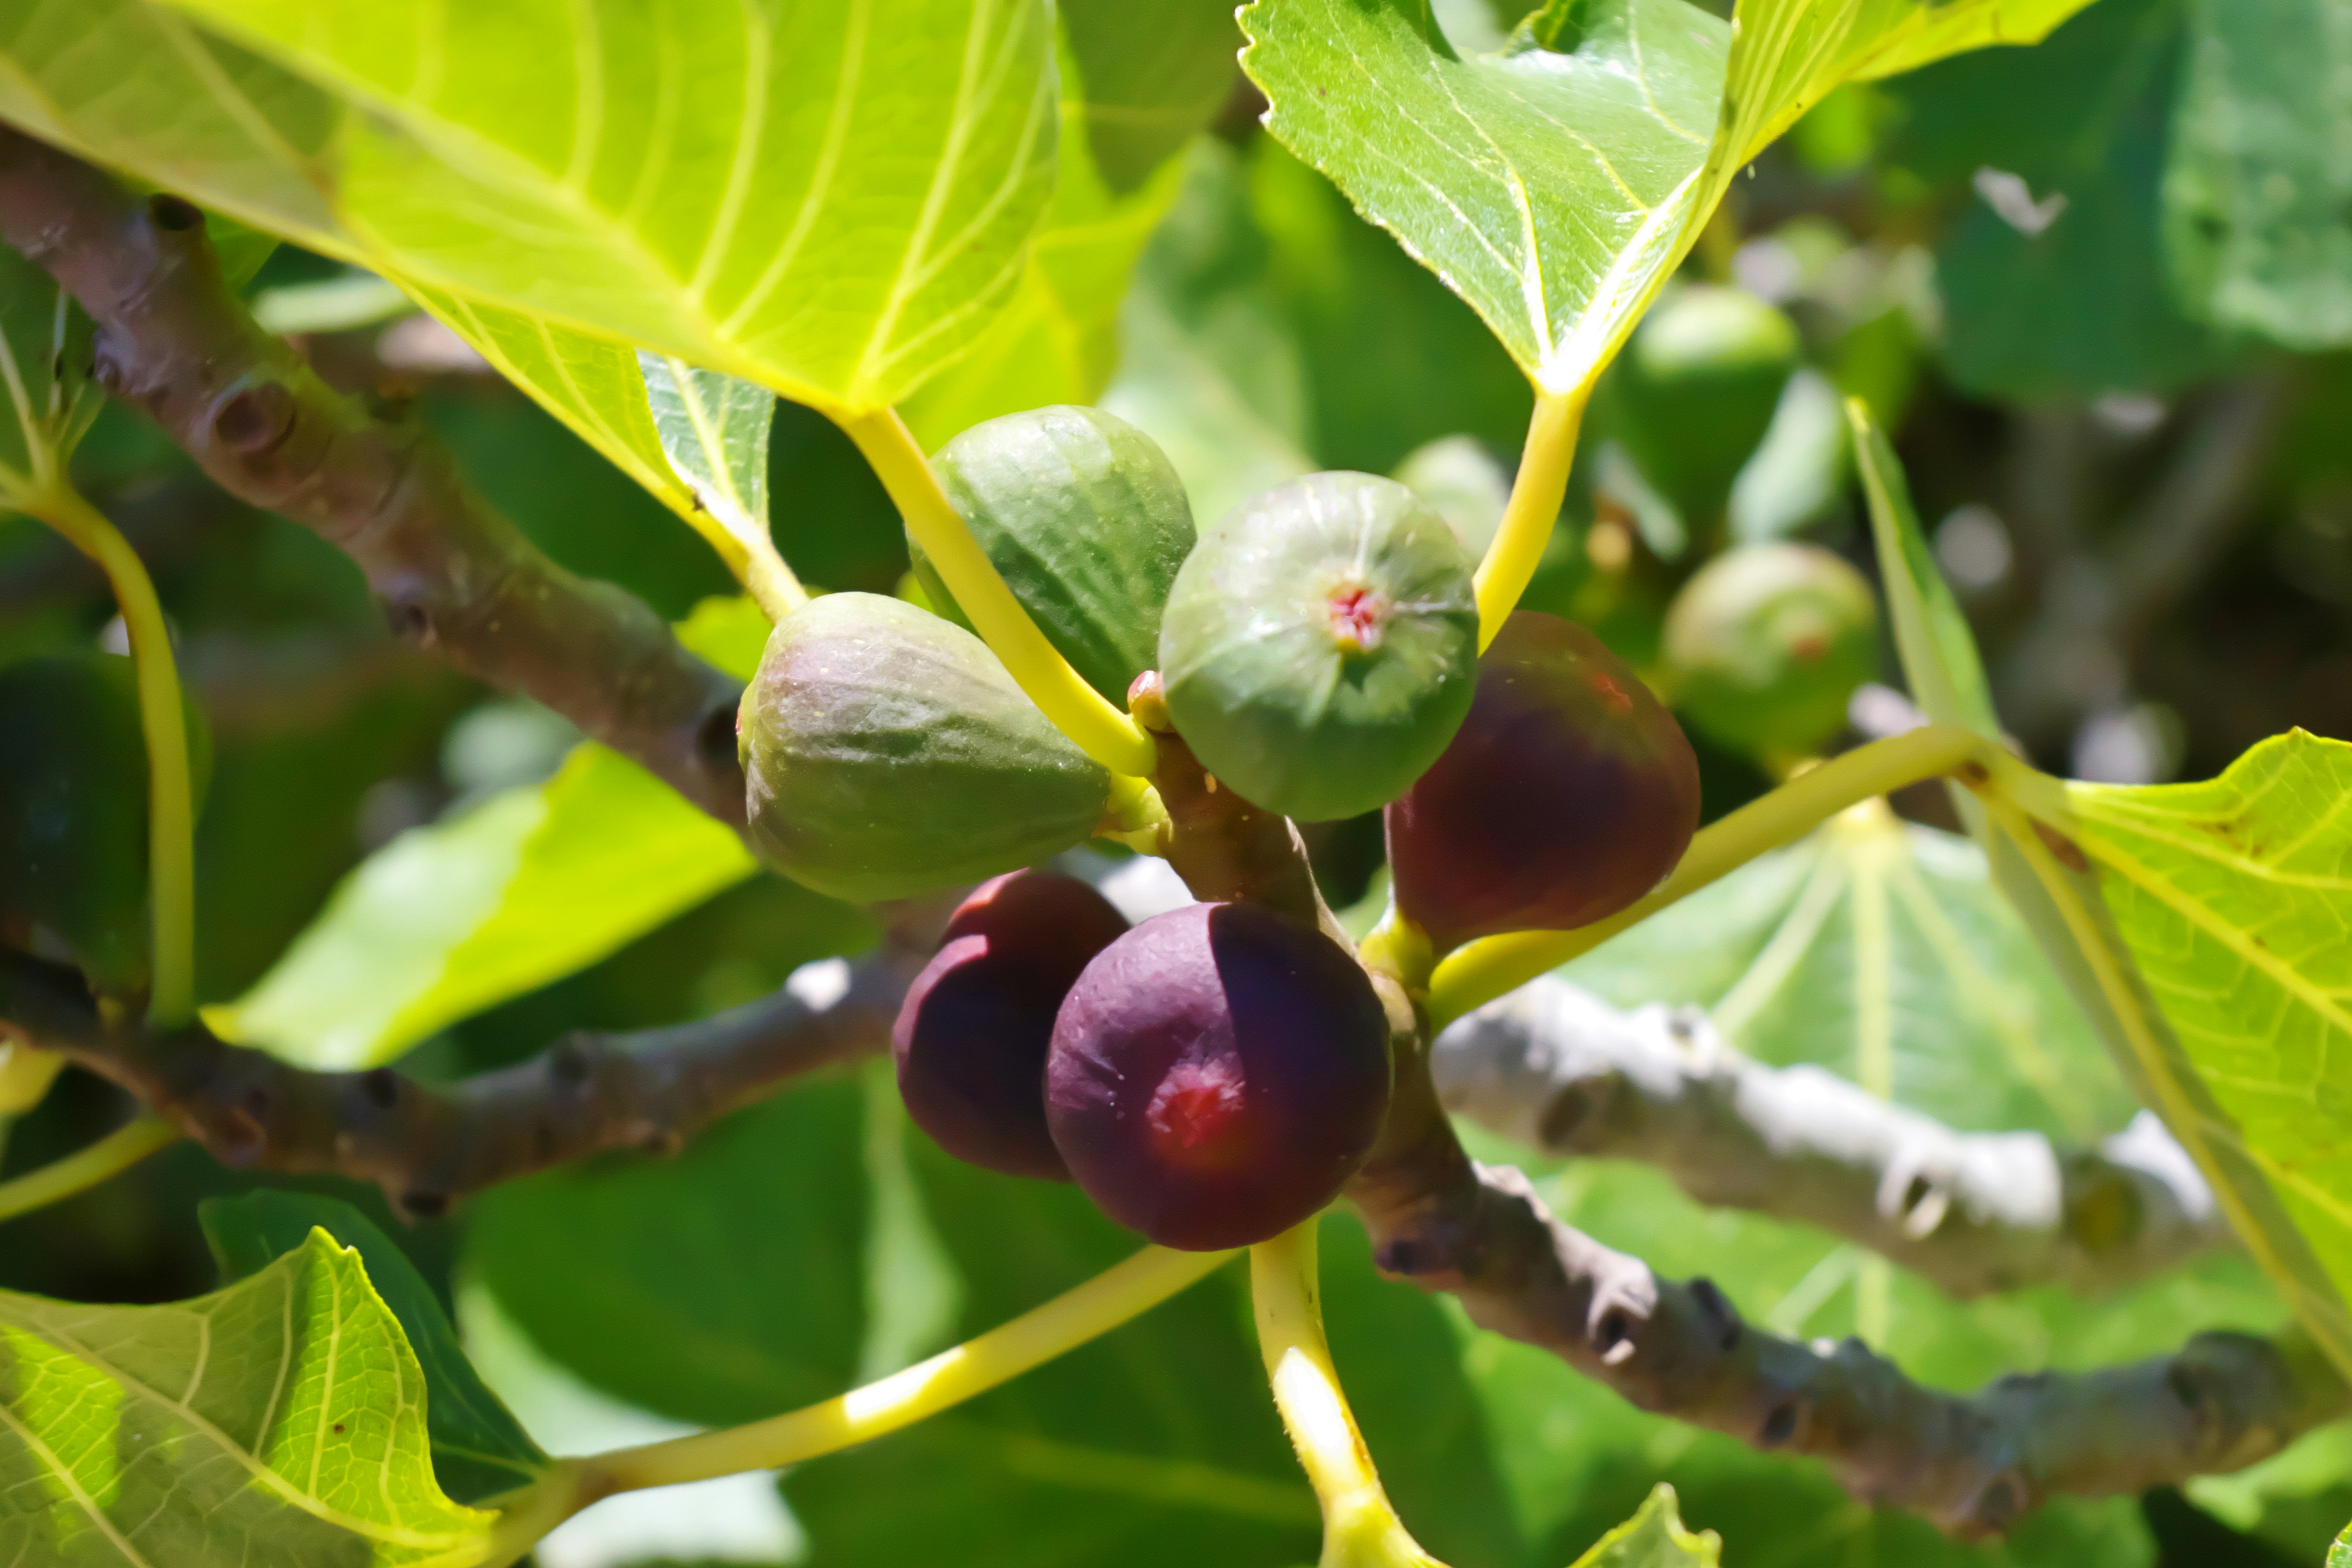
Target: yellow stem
1481, 971
1097, 1307
1360, 1528
1077, 710
85, 1168
1542, 483
171, 806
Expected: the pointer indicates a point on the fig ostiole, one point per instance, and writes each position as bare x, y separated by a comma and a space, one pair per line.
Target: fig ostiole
887, 752
1320, 644
1569, 793
1765, 645
1083, 516
971, 1037
1216, 1075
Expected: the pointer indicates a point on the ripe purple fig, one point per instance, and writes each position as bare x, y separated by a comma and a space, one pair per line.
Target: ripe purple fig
1569, 793
972, 1036
1217, 1073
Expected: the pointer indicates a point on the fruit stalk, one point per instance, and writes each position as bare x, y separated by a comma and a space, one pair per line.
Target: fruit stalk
1536, 496
1119, 1294
171, 809
1484, 970
1360, 1528
1077, 710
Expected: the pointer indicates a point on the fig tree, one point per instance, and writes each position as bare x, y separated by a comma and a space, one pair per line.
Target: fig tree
972, 1036
1320, 644
887, 752
1567, 793
1085, 518
1766, 644
1216, 1074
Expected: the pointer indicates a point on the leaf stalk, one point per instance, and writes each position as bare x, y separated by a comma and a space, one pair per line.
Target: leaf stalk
86, 1168
1537, 492
1076, 709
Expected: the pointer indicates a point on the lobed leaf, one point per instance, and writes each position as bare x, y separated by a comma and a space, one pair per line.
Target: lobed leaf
1653, 1538
277, 1424
2068, 906
1556, 183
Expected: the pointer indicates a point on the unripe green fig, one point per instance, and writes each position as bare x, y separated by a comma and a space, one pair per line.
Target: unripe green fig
1698, 387
1086, 520
887, 752
74, 808
1766, 644
1567, 793
1321, 645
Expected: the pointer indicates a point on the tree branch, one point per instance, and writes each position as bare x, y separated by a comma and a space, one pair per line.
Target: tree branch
1973, 1464
428, 1145
1558, 1070
452, 574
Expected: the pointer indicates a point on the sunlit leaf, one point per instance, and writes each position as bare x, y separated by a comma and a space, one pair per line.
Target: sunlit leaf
478, 1447
1556, 183
528, 887
2112, 976
1653, 1538
278, 1422
2258, 190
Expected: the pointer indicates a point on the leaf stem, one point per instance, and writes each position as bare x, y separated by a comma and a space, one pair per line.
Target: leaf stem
1112, 1298
171, 806
1535, 494
1481, 971
1360, 1528
1077, 710
86, 1168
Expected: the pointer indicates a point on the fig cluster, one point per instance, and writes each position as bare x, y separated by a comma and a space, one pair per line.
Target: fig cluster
1209, 1078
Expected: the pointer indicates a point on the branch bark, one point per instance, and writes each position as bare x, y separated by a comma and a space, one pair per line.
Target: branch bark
429, 1145
452, 574
1973, 1464
1558, 1070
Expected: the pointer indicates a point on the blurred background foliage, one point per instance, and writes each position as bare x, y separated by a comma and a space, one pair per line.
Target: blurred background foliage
2097, 289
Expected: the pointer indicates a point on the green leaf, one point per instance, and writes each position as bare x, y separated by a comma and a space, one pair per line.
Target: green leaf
2258, 189
1653, 1538
714, 431
2340, 1554
443, 921
721, 1284
1557, 183
2062, 902
478, 1447
770, 190
2235, 895
280, 1420
2079, 301
1156, 1445
1056, 339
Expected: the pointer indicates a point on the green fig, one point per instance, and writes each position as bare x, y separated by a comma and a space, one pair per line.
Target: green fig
74, 809
888, 753
1321, 645
1766, 644
1697, 388
1087, 522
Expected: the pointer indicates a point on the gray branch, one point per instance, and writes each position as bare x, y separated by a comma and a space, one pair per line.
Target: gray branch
1560, 1070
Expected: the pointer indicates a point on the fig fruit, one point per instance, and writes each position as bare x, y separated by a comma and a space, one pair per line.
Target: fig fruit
1216, 1075
1086, 520
1321, 645
1569, 793
1766, 644
887, 752
74, 809
972, 1036
1697, 388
